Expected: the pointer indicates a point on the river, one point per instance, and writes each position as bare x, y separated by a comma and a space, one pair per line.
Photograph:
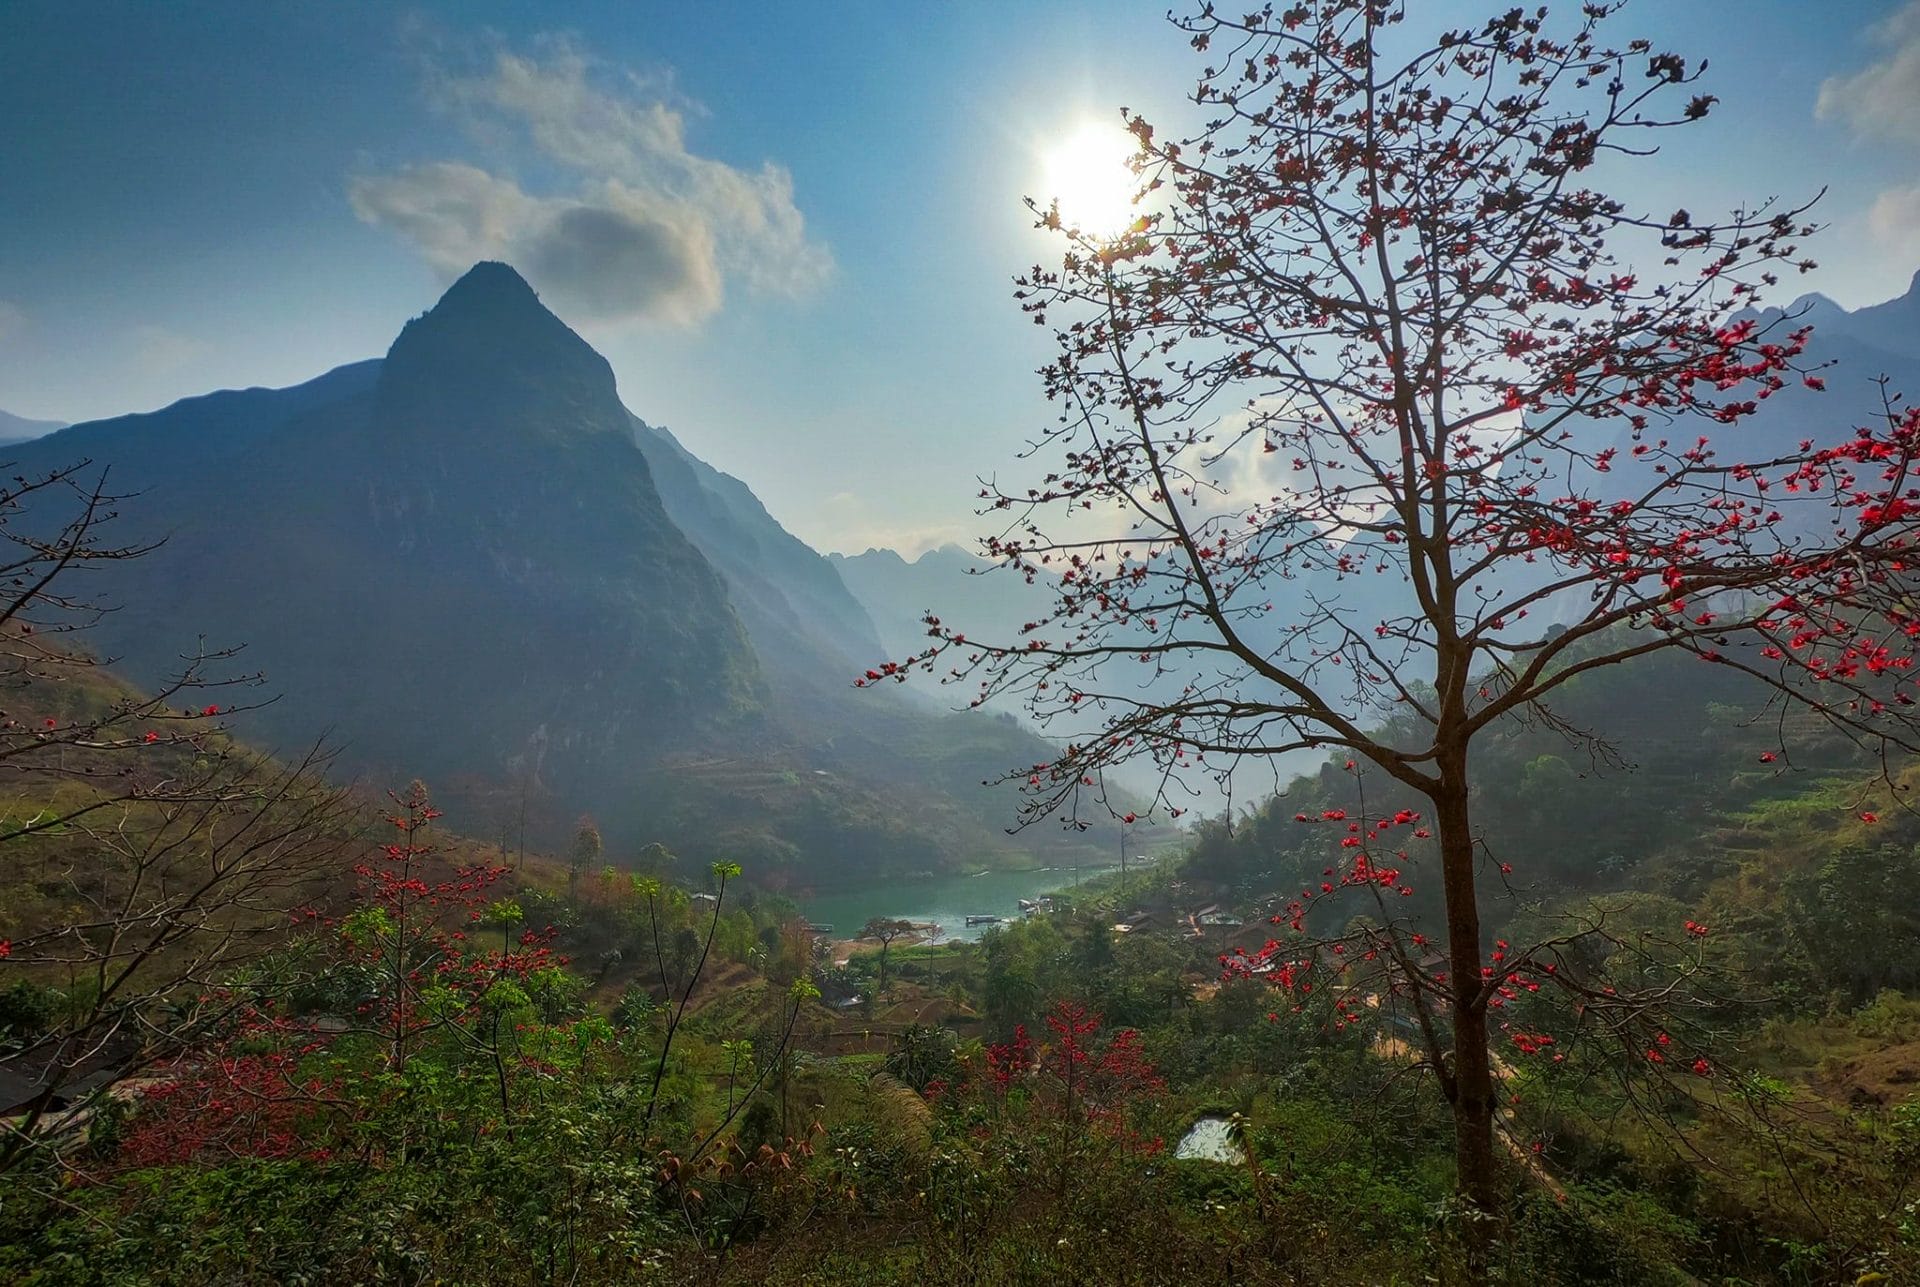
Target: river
947, 901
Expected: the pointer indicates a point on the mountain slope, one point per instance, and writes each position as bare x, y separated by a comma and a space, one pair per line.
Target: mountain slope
798, 612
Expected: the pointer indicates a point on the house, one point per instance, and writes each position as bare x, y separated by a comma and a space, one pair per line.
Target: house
24, 1077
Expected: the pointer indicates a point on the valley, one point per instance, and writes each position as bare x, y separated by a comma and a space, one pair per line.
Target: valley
779, 645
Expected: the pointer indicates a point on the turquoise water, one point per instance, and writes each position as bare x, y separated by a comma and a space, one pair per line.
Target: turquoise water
947, 901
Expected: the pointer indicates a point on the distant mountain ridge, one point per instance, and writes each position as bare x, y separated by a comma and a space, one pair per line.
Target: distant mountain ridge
1891, 326
20, 429
966, 590
794, 604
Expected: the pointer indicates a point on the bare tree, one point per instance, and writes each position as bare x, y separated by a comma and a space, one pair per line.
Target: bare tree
166, 892
1381, 422
160, 858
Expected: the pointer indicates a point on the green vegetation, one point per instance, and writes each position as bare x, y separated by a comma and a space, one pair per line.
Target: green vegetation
1657, 1021
638, 1080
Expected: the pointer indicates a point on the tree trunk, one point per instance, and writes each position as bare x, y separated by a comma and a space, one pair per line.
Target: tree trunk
1469, 1082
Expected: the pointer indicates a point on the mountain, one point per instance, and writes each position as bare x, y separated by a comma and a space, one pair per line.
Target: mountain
455, 557
1891, 326
797, 610
20, 429
473, 563
968, 593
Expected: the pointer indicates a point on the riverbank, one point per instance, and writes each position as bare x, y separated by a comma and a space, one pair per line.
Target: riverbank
944, 903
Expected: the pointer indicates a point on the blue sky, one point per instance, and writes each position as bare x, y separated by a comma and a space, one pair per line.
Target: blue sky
790, 227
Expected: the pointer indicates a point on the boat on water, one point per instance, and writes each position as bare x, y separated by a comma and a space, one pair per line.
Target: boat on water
985, 920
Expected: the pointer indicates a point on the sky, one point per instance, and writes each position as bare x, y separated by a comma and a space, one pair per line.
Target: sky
791, 228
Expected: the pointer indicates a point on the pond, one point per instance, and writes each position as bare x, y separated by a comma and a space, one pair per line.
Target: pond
1211, 1140
946, 901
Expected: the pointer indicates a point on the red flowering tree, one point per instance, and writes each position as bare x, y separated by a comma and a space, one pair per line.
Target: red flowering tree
420, 953
179, 872
1077, 1077
1385, 419
418, 937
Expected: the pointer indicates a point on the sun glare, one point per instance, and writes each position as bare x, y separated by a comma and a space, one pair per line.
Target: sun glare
1088, 175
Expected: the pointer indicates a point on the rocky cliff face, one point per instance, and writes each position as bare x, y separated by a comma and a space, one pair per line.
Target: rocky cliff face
456, 558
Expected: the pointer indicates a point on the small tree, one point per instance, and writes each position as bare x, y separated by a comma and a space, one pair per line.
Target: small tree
1383, 421
411, 935
653, 893
883, 930
582, 855
1087, 1092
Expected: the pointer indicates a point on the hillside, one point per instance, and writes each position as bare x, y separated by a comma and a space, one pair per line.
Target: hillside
575, 1017
1668, 782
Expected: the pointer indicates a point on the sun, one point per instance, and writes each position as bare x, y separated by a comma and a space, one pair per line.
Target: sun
1088, 174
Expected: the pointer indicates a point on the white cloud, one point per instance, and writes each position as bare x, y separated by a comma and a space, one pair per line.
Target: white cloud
611, 254
13, 320
648, 231
1895, 220
456, 214
1883, 99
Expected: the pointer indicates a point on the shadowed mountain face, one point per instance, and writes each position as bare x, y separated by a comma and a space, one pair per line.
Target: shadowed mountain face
490, 365
456, 558
472, 563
